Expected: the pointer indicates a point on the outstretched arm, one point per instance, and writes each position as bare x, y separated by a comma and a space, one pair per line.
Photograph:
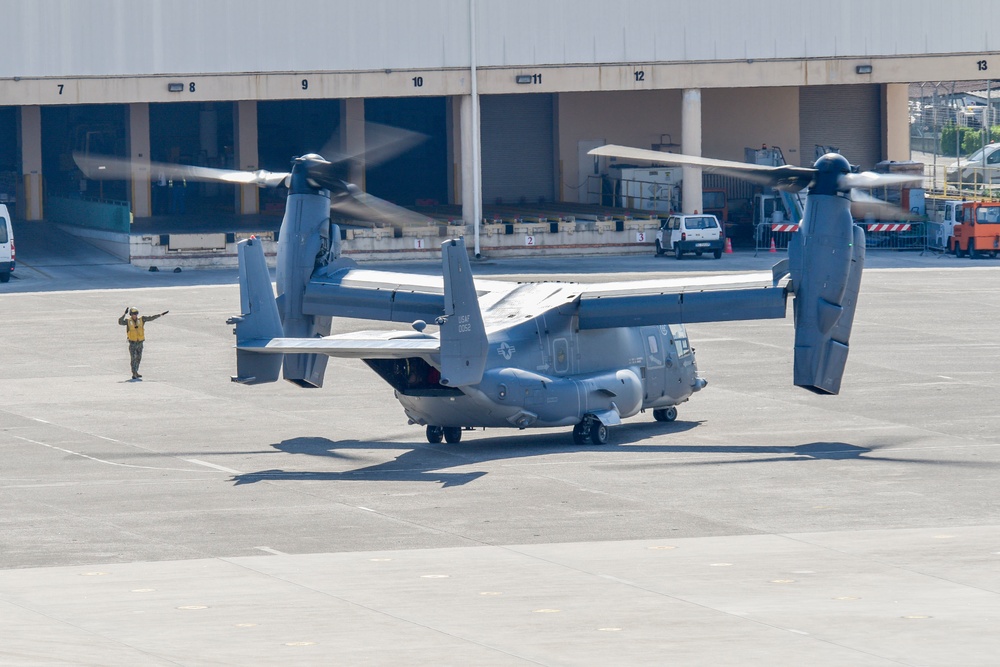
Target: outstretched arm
150, 318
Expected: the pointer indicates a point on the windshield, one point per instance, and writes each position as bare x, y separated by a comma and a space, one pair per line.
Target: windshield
989, 214
976, 157
680, 339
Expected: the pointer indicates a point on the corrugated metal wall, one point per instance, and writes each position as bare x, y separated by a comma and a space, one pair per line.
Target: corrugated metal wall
518, 148
111, 37
847, 117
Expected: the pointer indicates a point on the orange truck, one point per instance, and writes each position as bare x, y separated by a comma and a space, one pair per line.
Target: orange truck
977, 233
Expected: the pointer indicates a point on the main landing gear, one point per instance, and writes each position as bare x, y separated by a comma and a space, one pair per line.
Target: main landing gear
590, 429
450, 434
665, 414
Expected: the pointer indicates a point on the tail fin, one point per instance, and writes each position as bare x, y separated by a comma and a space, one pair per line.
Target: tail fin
463, 334
826, 259
259, 321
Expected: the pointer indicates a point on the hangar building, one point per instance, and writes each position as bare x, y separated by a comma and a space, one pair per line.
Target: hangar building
509, 93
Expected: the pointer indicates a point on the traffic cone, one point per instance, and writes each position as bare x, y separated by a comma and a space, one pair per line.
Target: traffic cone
773, 249
729, 247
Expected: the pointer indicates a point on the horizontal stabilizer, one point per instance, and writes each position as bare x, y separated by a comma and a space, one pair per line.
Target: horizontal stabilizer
357, 345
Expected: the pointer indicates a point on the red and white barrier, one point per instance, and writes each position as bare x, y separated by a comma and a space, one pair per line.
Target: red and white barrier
784, 228
890, 227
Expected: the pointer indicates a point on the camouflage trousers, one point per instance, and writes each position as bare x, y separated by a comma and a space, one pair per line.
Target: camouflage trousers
135, 355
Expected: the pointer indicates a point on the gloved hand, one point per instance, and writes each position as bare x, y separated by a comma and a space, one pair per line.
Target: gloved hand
164, 312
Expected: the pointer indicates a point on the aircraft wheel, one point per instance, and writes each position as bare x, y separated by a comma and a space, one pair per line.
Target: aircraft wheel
665, 414
973, 253
599, 434
452, 434
659, 248
434, 434
581, 432
677, 251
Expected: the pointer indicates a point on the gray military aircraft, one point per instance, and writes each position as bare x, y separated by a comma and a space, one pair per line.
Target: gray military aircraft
539, 354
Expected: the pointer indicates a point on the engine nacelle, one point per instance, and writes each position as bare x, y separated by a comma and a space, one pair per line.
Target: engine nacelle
304, 237
826, 259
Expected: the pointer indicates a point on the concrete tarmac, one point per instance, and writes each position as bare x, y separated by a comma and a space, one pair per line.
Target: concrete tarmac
186, 520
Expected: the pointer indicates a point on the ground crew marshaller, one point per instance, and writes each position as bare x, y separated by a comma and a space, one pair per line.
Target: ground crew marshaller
134, 331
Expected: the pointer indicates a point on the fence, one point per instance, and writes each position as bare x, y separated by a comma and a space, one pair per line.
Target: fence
104, 215
878, 235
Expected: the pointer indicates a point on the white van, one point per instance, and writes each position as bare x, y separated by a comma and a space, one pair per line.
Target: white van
983, 166
690, 233
6, 245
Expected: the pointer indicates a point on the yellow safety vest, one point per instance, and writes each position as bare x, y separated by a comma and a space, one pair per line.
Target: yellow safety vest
134, 330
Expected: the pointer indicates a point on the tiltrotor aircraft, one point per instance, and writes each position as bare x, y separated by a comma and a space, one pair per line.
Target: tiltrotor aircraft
500, 354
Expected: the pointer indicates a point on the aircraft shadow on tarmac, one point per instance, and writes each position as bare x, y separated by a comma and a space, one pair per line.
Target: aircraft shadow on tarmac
425, 462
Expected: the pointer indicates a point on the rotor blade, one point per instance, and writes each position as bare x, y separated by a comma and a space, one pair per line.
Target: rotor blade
106, 167
382, 143
863, 206
361, 207
786, 177
869, 179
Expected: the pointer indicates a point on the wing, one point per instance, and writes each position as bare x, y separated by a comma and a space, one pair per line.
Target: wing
685, 300
381, 295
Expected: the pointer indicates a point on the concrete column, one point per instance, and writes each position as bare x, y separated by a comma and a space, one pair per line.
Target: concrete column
138, 149
691, 145
453, 130
31, 162
246, 154
468, 165
896, 122
352, 138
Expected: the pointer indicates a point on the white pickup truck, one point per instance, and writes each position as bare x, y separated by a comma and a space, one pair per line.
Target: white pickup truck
697, 233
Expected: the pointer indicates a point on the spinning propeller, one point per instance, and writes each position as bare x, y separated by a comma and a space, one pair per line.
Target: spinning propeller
831, 175
347, 200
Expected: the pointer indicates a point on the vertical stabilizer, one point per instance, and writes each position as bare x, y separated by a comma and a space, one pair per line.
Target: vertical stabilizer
259, 321
463, 334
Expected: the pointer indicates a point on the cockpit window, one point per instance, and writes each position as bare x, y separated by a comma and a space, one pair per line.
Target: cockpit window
680, 337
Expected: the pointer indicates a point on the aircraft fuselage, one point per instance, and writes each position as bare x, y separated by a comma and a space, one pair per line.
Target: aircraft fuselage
545, 372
